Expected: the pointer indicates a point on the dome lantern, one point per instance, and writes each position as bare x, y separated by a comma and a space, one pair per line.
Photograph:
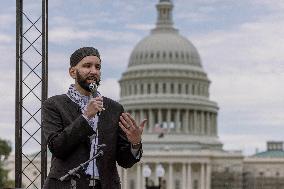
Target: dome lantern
164, 21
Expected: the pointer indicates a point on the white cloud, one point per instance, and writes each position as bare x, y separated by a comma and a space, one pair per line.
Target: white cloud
116, 57
143, 27
69, 34
255, 46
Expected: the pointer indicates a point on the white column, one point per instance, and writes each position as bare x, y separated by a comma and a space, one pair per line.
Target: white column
153, 90
156, 179
138, 184
186, 125
202, 176
184, 175
160, 116
160, 88
168, 88
177, 129
208, 176
145, 88
125, 179
168, 116
189, 178
215, 124
202, 123
170, 183
212, 123
191, 120
183, 88
195, 125
151, 120
208, 125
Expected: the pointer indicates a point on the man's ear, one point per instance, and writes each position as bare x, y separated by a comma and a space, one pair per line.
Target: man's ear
72, 72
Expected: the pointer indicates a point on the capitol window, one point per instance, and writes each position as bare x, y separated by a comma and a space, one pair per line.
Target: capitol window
179, 88
177, 184
172, 88
177, 55
135, 89
149, 88
164, 87
186, 89
187, 56
141, 89
164, 55
156, 88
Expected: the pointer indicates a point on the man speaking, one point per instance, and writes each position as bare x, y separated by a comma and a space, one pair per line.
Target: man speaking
77, 123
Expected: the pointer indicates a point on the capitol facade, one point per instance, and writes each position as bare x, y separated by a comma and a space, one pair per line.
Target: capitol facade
166, 83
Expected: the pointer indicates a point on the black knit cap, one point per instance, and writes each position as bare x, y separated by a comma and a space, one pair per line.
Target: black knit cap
81, 53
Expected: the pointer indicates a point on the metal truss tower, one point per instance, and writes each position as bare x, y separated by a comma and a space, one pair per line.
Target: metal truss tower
31, 91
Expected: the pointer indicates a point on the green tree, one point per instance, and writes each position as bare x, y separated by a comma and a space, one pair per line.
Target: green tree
5, 149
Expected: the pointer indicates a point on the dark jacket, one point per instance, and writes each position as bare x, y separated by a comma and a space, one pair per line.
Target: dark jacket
68, 137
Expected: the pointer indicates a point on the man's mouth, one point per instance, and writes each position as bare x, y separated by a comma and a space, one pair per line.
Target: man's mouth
91, 79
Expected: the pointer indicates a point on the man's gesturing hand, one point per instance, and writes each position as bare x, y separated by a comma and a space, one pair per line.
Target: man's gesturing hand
131, 129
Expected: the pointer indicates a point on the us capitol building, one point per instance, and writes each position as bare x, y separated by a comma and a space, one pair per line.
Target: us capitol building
166, 83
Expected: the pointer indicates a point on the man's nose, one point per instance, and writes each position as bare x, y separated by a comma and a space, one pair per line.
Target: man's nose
94, 70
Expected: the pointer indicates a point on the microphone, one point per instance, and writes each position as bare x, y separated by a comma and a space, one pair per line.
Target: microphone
93, 88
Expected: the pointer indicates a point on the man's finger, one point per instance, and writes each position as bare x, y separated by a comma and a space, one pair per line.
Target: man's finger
143, 123
123, 128
123, 121
131, 118
127, 119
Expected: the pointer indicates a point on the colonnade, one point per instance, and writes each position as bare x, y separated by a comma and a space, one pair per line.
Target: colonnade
178, 120
199, 177
131, 88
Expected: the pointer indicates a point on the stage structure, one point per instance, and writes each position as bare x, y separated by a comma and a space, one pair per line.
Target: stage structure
31, 90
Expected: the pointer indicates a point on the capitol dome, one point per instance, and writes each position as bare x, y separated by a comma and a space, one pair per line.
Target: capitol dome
165, 83
165, 47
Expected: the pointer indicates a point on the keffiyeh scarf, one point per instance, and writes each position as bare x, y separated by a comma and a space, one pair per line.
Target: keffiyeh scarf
82, 101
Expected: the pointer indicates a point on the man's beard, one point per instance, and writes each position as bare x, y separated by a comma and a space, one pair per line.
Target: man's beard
83, 82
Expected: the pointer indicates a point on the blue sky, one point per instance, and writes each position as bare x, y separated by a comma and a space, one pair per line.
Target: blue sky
241, 45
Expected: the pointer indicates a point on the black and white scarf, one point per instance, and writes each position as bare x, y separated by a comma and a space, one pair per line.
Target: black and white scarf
82, 101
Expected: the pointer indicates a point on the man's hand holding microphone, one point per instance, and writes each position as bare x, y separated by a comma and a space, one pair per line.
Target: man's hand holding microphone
95, 104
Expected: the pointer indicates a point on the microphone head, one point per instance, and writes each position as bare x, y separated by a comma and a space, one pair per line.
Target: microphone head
93, 88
